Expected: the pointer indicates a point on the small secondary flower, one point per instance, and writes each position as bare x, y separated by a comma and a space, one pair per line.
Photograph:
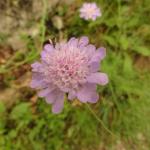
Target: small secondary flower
69, 67
90, 11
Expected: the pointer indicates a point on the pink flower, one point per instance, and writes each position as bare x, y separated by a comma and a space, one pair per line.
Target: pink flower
70, 67
90, 11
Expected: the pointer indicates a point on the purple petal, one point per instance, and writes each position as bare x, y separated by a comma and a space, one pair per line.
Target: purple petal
94, 66
94, 18
56, 98
98, 78
38, 84
37, 76
63, 46
73, 42
58, 104
72, 95
37, 67
94, 98
50, 97
90, 49
101, 52
99, 55
88, 93
37, 81
83, 41
48, 47
45, 54
45, 92
94, 5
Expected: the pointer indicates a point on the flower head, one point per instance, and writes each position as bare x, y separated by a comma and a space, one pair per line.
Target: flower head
90, 11
70, 67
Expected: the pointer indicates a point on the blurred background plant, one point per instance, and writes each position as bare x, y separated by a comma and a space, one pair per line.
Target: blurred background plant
26, 122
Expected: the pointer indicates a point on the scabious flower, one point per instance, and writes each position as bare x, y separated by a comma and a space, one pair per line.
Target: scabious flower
90, 11
69, 67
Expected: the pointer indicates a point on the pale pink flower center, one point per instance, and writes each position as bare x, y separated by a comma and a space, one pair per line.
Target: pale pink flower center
90, 12
67, 69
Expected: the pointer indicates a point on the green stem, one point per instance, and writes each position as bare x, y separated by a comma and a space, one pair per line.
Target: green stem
100, 121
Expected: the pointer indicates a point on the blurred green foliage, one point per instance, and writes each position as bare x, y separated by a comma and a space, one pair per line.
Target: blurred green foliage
124, 29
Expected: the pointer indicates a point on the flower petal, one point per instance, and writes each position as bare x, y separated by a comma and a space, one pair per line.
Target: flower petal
37, 67
45, 92
89, 49
38, 84
58, 104
50, 97
101, 52
88, 93
48, 47
73, 42
94, 66
83, 41
72, 95
99, 55
99, 78
37, 81
95, 98
45, 54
